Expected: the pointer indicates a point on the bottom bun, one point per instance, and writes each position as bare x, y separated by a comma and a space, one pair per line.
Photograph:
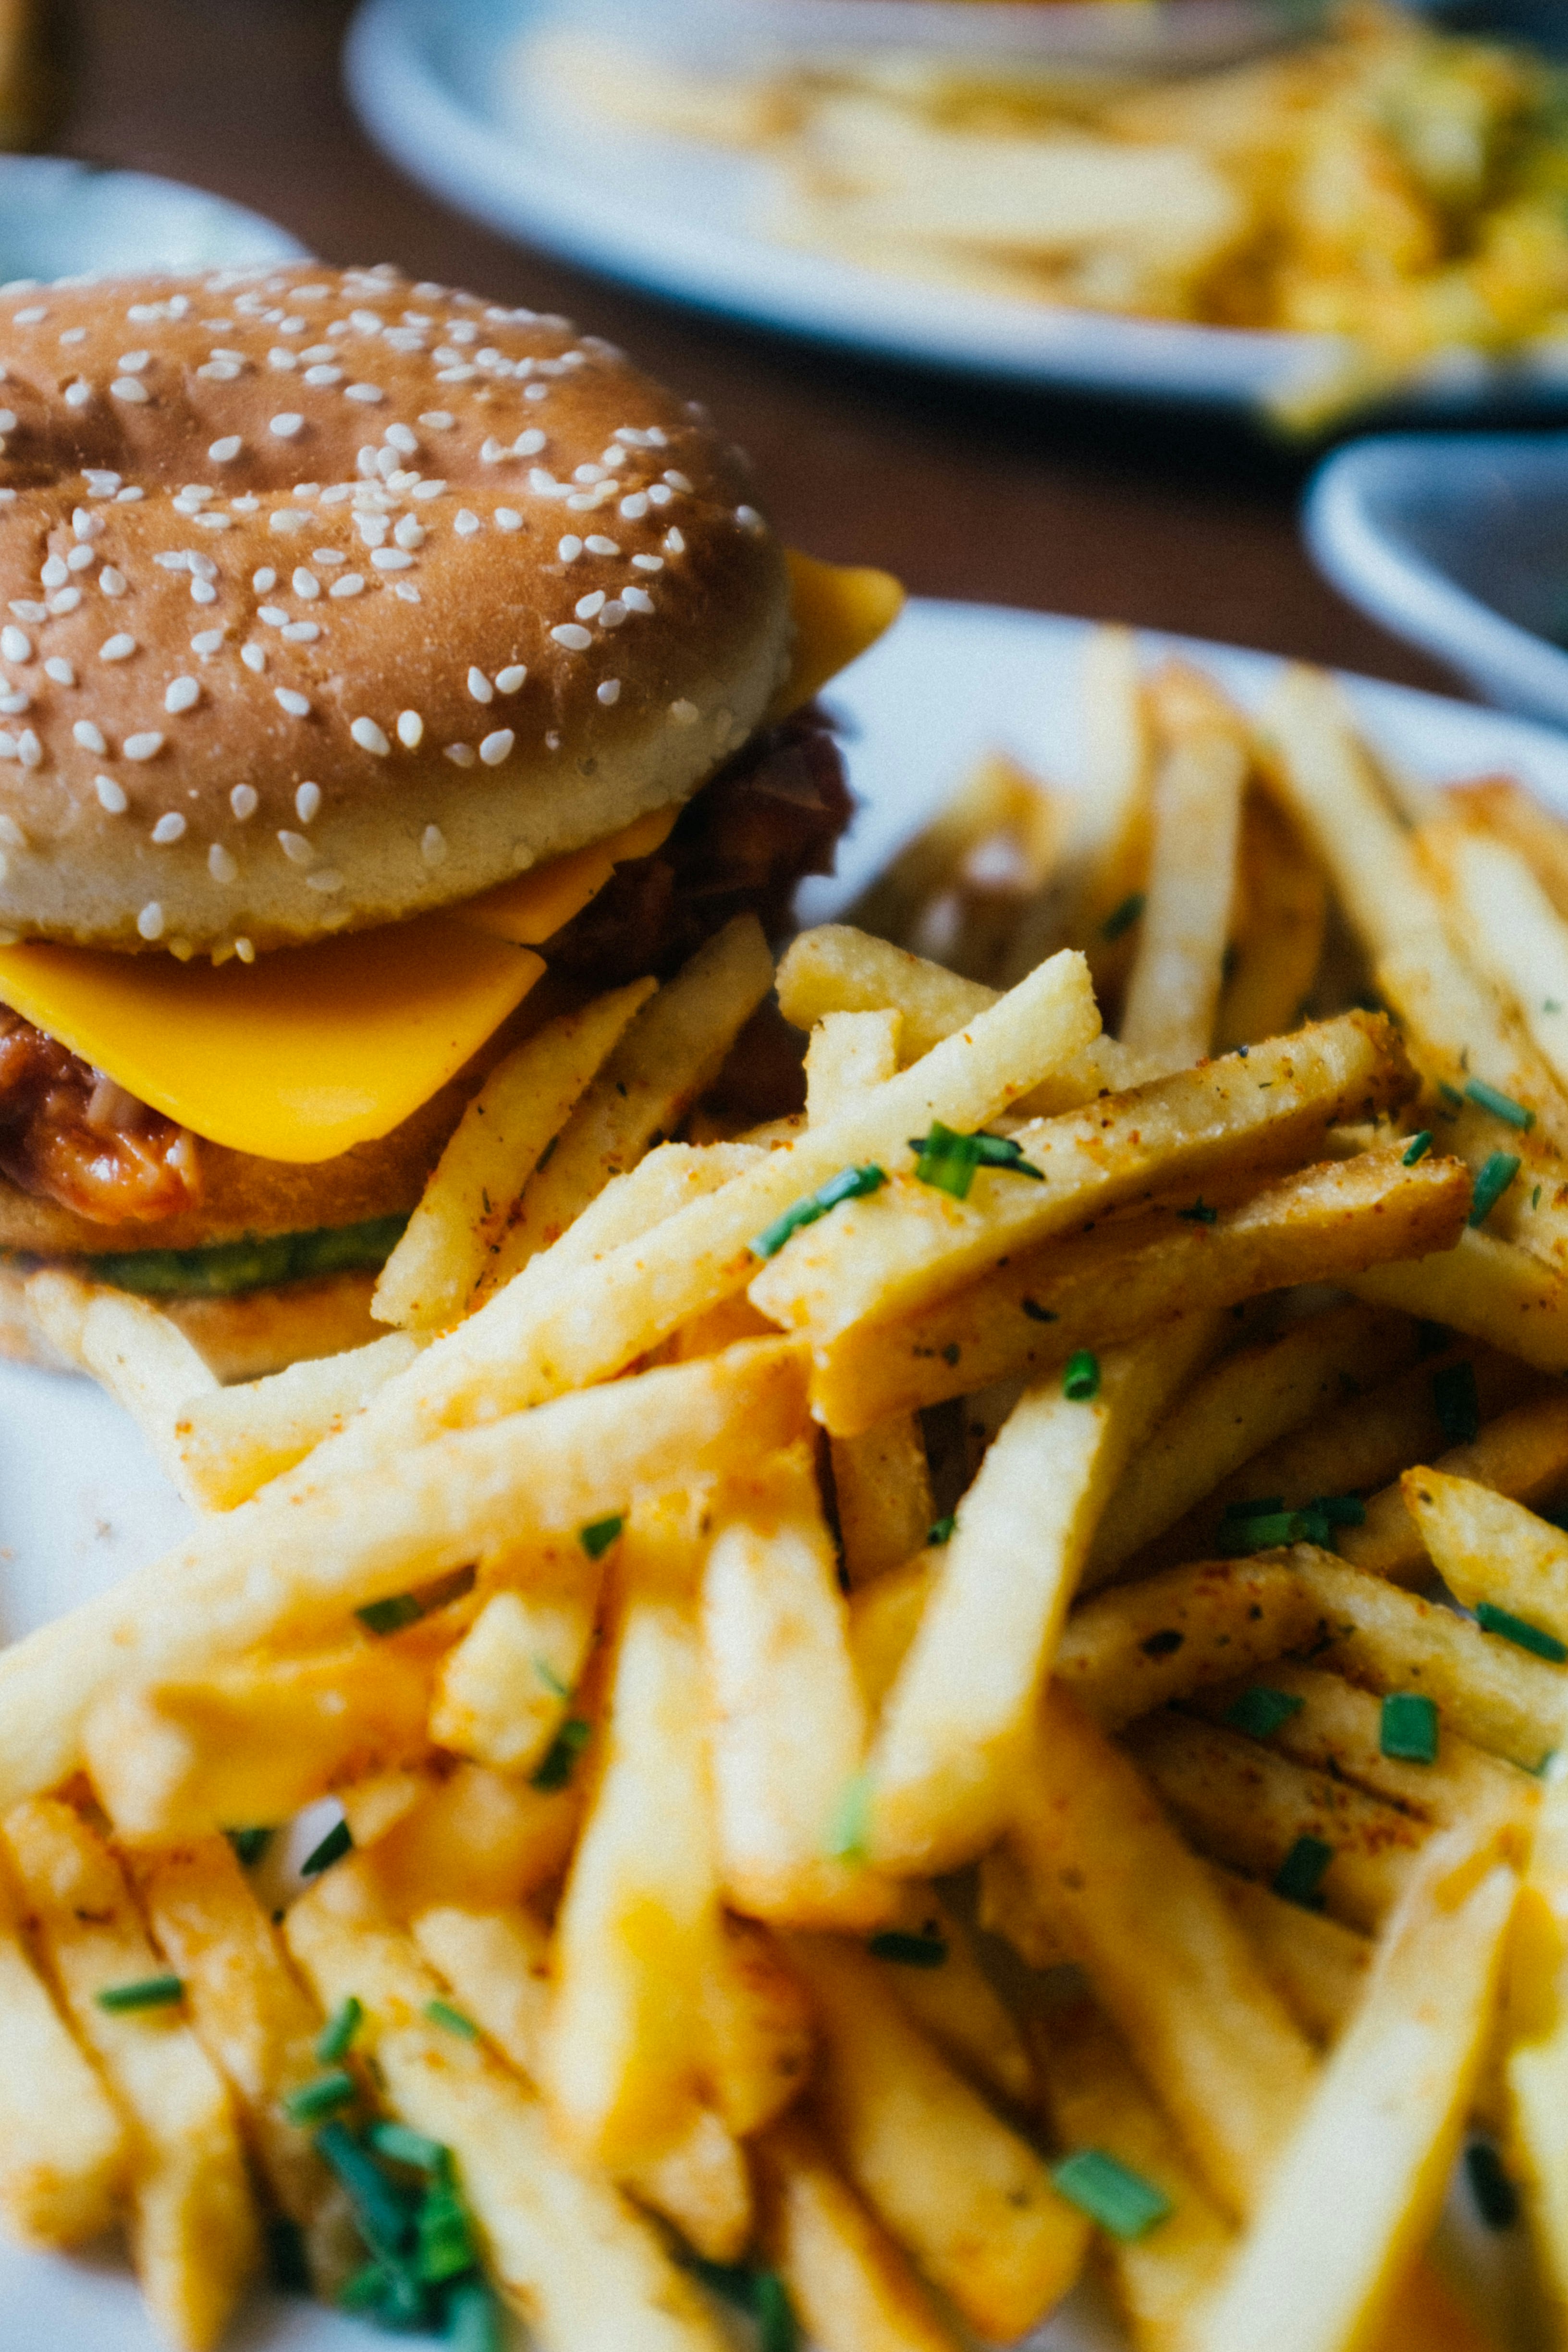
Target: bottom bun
241, 1338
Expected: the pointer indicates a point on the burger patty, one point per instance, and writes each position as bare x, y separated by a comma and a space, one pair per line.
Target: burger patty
75, 1142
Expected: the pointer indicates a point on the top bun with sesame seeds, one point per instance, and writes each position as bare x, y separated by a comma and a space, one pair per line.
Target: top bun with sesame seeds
327, 598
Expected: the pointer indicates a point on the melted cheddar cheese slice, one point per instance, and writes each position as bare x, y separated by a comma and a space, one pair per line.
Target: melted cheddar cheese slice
311, 1050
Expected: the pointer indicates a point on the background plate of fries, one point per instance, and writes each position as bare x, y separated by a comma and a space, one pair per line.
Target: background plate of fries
858, 1715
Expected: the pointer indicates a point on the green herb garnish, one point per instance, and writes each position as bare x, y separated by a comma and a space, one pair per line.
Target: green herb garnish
1259, 1712
941, 1530
249, 1845
442, 2013
851, 1821
1497, 1174
560, 1760
1122, 919
948, 1160
1417, 1148
313, 2101
1120, 2199
147, 1992
1497, 2198
1081, 1379
336, 2038
600, 1534
1407, 1731
1520, 1633
1200, 1213
849, 1184
337, 1841
1503, 1107
1300, 1876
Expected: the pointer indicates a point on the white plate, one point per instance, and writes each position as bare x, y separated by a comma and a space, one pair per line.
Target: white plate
438, 88
60, 219
81, 1503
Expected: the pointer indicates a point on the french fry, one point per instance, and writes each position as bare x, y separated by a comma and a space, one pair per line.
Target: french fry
1244, 1805
1487, 1548
433, 1273
1178, 1978
910, 1242
565, 2250
1096, 2100
1173, 993
259, 2027
132, 1349
476, 1837
371, 1808
1140, 1646
994, 798
1523, 1453
1536, 2065
701, 2185
1491, 1692
757, 2028
1244, 1402
193, 2231
1326, 1223
837, 969
788, 1724
965, 2195
955, 2001
1508, 812
1317, 1965
1278, 922
254, 1741
848, 1052
848, 2284
1509, 927
502, 1692
884, 1618
1359, 2189
232, 1441
242, 1579
957, 1720
64, 2148
670, 1053
1119, 759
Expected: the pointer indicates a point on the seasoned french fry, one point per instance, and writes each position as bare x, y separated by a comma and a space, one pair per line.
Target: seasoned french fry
1317, 1965
884, 1618
1323, 1224
967, 2196
1490, 1549
477, 1837
502, 1692
788, 1724
957, 1720
565, 2250
1141, 1645
837, 969
241, 1579
1179, 1978
847, 2283
1511, 814
1172, 994
1278, 925
1097, 2101
432, 1275
1536, 2065
1119, 759
1509, 928
1244, 1402
63, 2147
257, 2025
193, 2231
954, 2000
668, 1054
1359, 2189
1523, 1453
848, 1052
757, 2028
139, 1354
255, 1741
701, 2184
232, 1441
1244, 1805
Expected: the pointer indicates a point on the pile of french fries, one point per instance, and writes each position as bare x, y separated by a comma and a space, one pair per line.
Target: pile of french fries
1387, 183
888, 1707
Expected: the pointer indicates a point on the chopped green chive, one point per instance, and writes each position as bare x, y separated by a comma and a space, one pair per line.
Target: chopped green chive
1497, 1174
947, 1159
249, 1845
1497, 2198
1408, 1727
849, 1184
441, 2012
1456, 1403
941, 1530
928, 1950
148, 1992
1535, 1197
287, 2265
335, 2039
551, 1679
473, 2318
1120, 2199
401, 1609
446, 2248
777, 2329
324, 2096
1300, 1876
851, 1820
1200, 1213
1417, 1148
1122, 919
1264, 1532
1450, 1094
1262, 1526
1503, 1107
1259, 1712
560, 1760
1036, 1313
1080, 1381
380, 2210
599, 1534
733, 2281
401, 2145
1520, 1633
337, 1841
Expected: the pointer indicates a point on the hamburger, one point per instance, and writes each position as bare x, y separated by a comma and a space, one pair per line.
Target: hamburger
380, 671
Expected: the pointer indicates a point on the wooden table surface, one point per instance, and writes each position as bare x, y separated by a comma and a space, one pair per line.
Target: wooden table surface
1063, 506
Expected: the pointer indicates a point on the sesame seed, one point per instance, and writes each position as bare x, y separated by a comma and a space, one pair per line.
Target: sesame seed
588, 607
659, 495
281, 358
78, 394
461, 755
433, 845
131, 496
133, 362
491, 452
613, 615
203, 593
349, 585
637, 600
223, 453
648, 563
13, 703
409, 533
684, 714
245, 950
16, 644
296, 849
674, 542
609, 691
244, 799
146, 746
391, 559
90, 736
307, 802
306, 584
529, 444
301, 633
497, 747
117, 648
323, 372
26, 608
508, 518
206, 642
748, 518
679, 482
264, 579
467, 523
576, 640
508, 680
286, 424
369, 737
169, 829
597, 544
183, 694
111, 796
150, 921
273, 614
569, 549
403, 438
60, 670
129, 388
325, 877
634, 506
222, 864
216, 371
410, 729
429, 489
406, 591
29, 750
438, 420
54, 574
370, 394
253, 657
81, 559
296, 705
479, 686
536, 392
327, 557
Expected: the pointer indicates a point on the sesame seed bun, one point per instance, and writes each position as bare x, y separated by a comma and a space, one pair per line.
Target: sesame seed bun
327, 598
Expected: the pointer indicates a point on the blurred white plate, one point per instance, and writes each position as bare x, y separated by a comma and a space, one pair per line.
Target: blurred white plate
1459, 544
81, 1502
441, 90
59, 218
